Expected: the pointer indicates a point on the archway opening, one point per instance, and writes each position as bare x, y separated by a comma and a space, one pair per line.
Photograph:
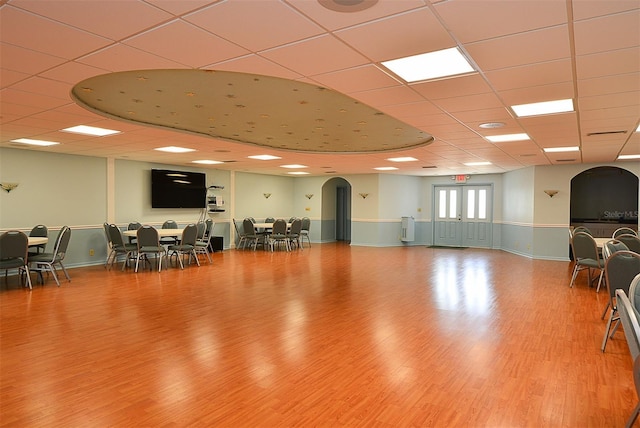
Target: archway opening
336, 210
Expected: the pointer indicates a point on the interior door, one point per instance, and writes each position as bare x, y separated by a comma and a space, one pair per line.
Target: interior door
463, 216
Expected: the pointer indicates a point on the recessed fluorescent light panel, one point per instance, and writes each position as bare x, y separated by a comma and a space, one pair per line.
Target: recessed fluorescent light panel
638, 128
31, 142
402, 159
386, 168
627, 157
174, 149
507, 137
298, 173
264, 157
294, 166
207, 162
477, 163
547, 107
561, 149
431, 65
90, 130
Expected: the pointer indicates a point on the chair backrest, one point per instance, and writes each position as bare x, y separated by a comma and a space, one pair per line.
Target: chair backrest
147, 237
14, 244
631, 241
170, 224
296, 227
116, 236
584, 246
613, 246
201, 229
634, 292
623, 231
247, 227
306, 223
209, 227
279, 227
581, 229
62, 242
269, 220
189, 234
134, 225
630, 323
39, 230
620, 269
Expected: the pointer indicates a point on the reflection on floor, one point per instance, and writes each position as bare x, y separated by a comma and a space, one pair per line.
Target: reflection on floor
332, 335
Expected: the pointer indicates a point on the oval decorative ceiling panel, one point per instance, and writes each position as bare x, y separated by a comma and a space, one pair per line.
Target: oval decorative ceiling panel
247, 108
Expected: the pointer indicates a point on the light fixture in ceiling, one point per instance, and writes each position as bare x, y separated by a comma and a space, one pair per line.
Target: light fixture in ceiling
507, 138
627, 157
430, 65
638, 128
293, 166
542, 108
386, 168
347, 5
561, 149
298, 173
264, 157
491, 125
207, 162
93, 131
402, 159
174, 149
477, 163
31, 142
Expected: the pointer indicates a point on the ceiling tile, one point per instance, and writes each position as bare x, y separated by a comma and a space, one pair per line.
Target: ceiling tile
539, 74
608, 33
453, 87
51, 37
124, 58
276, 23
169, 41
356, 79
398, 36
608, 63
315, 56
499, 18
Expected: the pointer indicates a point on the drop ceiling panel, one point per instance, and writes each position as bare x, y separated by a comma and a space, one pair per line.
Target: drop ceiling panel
169, 41
498, 114
608, 84
608, 63
401, 35
178, 7
98, 17
629, 99
39, 85
23, 60
471, 102
608, 33
331, 20
255, 64
407, 111
9, 77
72, 72
534, 94
388, 96
590, 9
276, 24
486, 19
543, 73
52, 38
448, 88
356, 79
319, 55
123, 58
521, 49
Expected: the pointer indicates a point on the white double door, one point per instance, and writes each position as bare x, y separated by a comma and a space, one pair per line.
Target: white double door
462, 216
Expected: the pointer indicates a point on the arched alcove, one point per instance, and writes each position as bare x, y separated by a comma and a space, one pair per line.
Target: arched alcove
336, 210
603, 199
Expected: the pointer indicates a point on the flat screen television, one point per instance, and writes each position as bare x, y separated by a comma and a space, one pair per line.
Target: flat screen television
178, 189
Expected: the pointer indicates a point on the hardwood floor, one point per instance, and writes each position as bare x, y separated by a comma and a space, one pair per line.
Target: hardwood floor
329, 336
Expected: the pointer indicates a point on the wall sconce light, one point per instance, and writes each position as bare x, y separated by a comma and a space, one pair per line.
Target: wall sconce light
363, 195
309, 195
8, 186
551, 193
266, 195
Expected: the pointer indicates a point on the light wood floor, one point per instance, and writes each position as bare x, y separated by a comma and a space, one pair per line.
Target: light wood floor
329, 336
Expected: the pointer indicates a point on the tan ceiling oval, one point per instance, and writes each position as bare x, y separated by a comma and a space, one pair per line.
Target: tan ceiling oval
247, 108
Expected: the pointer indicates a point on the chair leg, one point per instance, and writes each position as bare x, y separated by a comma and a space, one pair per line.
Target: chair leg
599, 281
633, 417
606, 332
574, 275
